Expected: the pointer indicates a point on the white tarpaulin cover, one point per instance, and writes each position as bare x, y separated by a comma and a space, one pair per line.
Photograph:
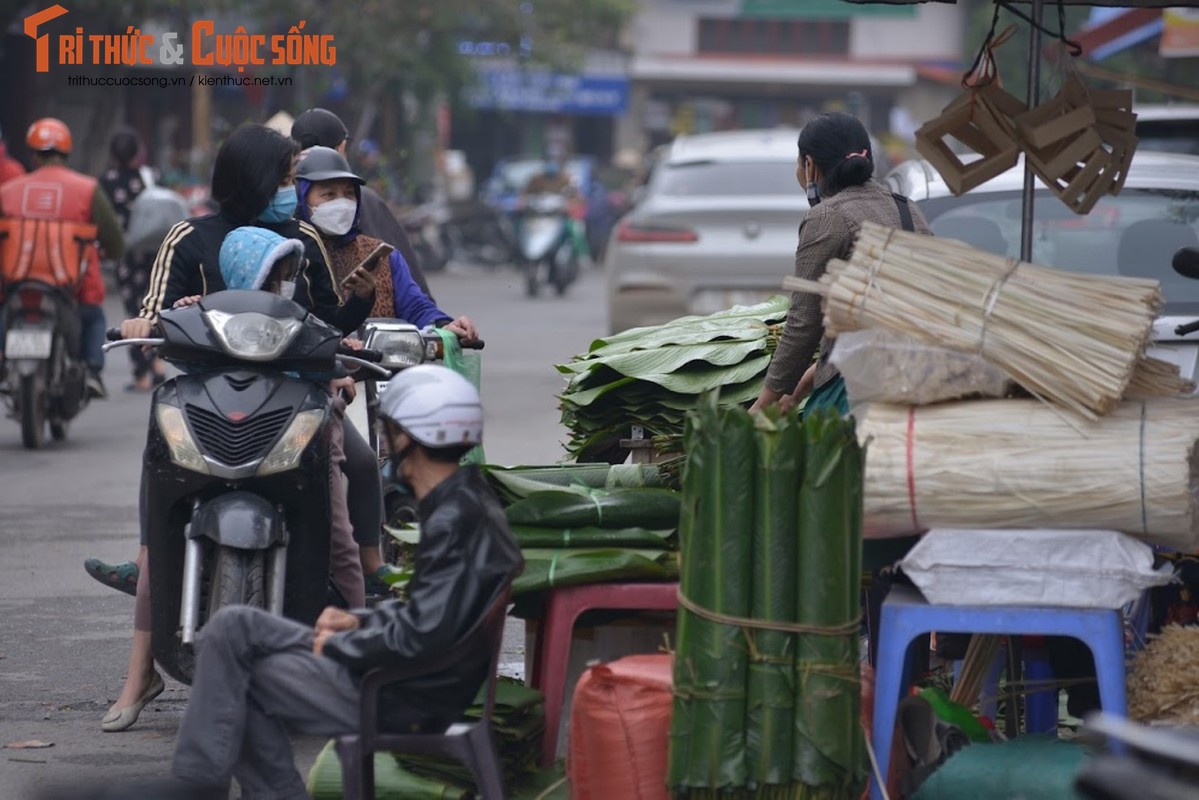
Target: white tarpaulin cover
1032, 567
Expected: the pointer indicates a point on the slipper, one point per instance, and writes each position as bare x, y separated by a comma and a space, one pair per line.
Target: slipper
122, 577
118, 719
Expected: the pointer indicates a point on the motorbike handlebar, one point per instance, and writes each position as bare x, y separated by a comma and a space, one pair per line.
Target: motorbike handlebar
113, 334
477, 344
374, 356
1190, 327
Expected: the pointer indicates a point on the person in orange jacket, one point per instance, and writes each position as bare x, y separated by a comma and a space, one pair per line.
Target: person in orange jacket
53, 191
9, 167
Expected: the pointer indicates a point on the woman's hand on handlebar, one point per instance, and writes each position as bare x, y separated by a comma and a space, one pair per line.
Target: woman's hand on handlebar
190, 300
464, 329
136, 328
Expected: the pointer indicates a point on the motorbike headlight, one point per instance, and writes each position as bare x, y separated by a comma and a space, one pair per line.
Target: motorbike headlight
184, 451
286, 453
252, 336
399, 348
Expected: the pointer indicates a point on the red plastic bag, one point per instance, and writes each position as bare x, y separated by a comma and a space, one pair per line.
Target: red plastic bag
620, 730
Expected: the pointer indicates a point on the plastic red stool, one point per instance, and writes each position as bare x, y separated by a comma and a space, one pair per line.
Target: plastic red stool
551, 654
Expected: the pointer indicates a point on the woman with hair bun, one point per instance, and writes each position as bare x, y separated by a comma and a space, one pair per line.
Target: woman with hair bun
835, 167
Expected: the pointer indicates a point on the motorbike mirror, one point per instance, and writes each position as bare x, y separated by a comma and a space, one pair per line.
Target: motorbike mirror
1186, 262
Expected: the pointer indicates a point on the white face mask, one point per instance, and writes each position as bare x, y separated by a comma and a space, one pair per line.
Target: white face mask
335, 217
287, 289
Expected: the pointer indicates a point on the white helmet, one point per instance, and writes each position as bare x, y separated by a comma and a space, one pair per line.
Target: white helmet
435, 406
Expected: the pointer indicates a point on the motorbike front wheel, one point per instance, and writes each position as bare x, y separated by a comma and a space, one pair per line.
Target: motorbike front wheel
33, 412
532, 279
238, 579
563, 275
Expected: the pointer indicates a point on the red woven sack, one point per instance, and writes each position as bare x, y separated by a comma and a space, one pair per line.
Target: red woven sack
620, 730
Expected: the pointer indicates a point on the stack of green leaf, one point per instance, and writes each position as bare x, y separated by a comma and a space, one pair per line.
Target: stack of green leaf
766, 668
518, 723
586, 523
653, 376
576, 534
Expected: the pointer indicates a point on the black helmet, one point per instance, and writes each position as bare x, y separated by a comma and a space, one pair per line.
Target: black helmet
325, 164
318, 126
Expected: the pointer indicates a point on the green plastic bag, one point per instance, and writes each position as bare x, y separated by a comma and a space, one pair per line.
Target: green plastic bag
470, 366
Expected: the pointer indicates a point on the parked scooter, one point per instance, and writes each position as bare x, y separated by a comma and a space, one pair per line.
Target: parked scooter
46, 378
476, 233
423, 224
236, 475
548, 243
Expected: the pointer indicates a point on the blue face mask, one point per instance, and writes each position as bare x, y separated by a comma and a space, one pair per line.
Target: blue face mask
282, 206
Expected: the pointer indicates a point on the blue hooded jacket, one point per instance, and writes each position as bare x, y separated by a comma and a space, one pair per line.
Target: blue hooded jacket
411, 303
248, 253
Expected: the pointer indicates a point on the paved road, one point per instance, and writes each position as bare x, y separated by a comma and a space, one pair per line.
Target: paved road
64, 638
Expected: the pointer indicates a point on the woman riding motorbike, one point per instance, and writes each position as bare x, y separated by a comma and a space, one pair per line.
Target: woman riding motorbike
253, 182
329, 194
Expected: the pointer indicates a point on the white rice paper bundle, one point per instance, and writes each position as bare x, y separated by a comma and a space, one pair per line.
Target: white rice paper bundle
1023, 464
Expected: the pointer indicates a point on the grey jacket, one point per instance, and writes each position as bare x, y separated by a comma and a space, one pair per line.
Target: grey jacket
827, 232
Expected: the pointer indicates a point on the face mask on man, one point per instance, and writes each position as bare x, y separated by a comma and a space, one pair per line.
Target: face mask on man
282, 206
335, 217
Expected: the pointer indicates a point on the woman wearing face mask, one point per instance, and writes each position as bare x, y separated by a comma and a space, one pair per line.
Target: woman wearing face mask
253, 182
329, 195
834, 167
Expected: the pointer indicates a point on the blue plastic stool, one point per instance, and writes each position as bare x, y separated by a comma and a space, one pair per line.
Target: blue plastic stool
907, 615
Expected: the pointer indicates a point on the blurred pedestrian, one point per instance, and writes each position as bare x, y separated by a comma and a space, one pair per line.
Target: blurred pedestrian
123, 182
321, 127
9, 167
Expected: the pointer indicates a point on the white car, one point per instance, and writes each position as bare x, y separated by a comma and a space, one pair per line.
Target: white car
1135, 233
717, 226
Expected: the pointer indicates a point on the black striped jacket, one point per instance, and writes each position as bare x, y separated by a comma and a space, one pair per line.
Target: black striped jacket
188, 264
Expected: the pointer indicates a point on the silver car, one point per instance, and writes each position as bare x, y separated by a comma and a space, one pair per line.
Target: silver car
1135, 233
717, 227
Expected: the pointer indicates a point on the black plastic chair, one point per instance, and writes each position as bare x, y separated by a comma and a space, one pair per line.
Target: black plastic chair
472, 743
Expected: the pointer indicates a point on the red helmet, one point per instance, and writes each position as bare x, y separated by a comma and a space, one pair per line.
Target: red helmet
49, 133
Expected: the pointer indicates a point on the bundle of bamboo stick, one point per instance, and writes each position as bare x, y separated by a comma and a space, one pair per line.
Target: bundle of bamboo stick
1069, 338
1024, 464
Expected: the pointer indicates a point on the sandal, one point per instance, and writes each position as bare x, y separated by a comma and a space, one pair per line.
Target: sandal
122, 577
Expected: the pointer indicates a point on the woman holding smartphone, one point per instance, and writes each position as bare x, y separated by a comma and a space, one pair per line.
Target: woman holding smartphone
329, 195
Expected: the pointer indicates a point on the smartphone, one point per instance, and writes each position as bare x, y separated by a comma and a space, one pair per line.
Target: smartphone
373, 259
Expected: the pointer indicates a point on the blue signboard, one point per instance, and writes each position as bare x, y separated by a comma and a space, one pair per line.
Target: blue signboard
550, 92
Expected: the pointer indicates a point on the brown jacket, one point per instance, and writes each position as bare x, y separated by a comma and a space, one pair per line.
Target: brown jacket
827, 232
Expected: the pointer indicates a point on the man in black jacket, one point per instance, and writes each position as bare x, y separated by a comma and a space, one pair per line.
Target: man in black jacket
254, 671
319, 126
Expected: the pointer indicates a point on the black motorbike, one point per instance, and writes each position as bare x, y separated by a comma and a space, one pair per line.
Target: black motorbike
1140, 762
46, 378
236, 469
